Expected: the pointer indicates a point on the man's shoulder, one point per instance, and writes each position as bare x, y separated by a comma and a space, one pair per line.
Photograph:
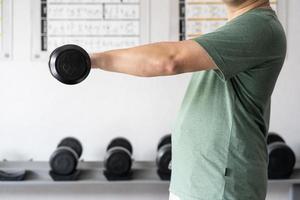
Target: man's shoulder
254, 19
260, 26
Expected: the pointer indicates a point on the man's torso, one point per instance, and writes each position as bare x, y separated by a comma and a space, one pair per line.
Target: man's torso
218, 143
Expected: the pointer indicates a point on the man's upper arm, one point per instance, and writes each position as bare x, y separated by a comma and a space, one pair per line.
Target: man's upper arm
192, 57
238, 47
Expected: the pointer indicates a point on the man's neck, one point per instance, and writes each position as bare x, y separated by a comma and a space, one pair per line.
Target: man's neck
235, 11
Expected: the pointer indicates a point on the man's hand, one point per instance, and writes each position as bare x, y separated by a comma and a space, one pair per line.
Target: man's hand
158, 59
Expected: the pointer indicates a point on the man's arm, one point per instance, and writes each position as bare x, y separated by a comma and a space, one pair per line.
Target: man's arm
158, 59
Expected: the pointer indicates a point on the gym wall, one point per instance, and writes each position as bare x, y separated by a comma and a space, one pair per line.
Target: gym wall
37, 110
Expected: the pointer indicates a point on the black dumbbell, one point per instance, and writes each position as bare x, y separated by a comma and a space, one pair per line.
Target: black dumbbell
164, 156
118, 159
281, 157
70, 64
64, 159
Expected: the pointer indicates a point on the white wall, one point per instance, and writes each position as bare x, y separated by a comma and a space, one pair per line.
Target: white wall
37, 111
286, 107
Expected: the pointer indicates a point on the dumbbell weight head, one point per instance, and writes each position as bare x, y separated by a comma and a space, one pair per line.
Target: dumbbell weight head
281, 158
73, 143
64, 160
164, 157
274, 137
118, 160
70, 64
120, 142
164, 140
164, 154
281, 161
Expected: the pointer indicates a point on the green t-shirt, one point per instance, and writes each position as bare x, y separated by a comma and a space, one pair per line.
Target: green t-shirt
219, 149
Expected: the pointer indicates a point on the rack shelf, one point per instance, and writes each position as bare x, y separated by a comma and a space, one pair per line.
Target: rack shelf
92, 174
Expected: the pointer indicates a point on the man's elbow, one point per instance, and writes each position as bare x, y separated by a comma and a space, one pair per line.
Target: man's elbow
163, 66
170, 66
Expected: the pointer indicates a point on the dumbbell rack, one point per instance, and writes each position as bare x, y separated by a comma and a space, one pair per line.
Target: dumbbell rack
91, 174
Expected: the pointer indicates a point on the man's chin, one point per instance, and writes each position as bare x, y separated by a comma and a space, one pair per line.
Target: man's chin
234, 2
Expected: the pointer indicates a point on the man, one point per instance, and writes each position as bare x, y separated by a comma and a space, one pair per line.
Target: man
219, 140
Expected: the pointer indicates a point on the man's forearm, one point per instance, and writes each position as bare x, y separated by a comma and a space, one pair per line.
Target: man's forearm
146, 61
158, 59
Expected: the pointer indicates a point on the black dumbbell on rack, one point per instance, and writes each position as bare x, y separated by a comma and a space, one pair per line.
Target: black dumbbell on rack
164, 157
13, 175
64, 160
118, 160
281, 157
70, 64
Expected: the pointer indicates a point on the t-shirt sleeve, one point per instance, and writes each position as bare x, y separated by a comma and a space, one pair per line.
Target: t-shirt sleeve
237, 47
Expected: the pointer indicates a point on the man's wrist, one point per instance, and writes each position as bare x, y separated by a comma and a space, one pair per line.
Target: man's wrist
93, 60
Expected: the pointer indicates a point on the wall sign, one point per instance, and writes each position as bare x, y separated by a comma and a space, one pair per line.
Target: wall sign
199, 17
96, 25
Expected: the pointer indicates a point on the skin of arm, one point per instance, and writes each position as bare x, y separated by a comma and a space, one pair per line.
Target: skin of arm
157, 59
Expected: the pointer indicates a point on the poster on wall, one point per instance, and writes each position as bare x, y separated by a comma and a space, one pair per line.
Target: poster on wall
199, 17
96, 25
5, 29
